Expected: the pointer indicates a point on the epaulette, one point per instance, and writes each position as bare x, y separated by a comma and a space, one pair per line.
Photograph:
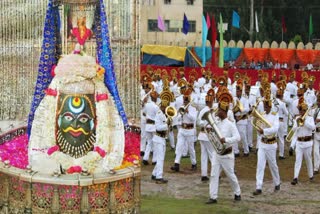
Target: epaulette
274, 113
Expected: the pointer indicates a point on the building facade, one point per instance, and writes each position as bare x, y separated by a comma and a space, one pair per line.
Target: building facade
171, 12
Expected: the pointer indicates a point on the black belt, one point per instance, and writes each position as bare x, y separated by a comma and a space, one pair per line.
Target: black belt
305, 138
318, 129
150, 121
281, 119
162, 134
187, 125
208, 129
268, 140
227, 151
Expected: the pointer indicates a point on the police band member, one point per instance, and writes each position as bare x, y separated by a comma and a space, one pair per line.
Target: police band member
267, 146
159, 138
303, 127
241, 119
316, 141
186, 132
205, 145
225, 161
283, 118
150, 109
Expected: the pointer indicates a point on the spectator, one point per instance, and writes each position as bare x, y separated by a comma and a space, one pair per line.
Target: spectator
270, 65
309, 67
277, 65
252, 65
284, 66
243, 64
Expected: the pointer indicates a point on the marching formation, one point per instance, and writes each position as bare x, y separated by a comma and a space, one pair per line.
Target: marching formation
223, 116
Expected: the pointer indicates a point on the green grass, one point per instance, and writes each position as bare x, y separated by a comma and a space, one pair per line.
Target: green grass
166, 205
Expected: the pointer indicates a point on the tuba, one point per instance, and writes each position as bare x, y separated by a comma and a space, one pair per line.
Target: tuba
214, 136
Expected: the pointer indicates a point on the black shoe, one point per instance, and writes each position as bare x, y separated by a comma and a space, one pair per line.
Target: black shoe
145, 162
294, 181
237, 197
250, 148
194, 167
211, 201
153, 177
161, 181
246, 155
311, 179
142, 153
204, 178
176, 167
236, 155
154, 163
257, 192
282, 157
277, 188
291, 151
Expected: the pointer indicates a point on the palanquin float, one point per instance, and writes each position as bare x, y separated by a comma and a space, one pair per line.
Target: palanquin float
78, 153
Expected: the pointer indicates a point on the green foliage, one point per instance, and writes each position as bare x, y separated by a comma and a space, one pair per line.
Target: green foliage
296, 39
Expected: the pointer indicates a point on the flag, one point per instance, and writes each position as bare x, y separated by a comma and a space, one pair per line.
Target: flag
213, 39
221, 48
257, 26
310, 27
235, 19
204, 40
161, 24
185, 28
284, 28
208, 21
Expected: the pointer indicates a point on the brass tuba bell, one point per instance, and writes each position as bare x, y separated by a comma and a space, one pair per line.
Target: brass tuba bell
238, 107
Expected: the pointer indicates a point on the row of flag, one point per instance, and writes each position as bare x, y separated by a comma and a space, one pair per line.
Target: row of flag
235, 23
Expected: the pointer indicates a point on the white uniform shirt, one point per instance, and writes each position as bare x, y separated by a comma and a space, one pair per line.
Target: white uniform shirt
161, 125
304, 131
292, 89
274, 89
150, 109
189, 118
229, 131
273, 119
316, 115
246, 109
310, 97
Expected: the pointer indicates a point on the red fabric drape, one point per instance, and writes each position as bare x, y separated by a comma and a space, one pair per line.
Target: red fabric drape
307, 56
281, 55
256, 54
252, 73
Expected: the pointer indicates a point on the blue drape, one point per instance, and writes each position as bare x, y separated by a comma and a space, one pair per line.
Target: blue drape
232, 54
50, 52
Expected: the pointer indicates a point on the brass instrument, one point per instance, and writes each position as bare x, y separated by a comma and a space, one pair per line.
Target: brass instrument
300, 123
259, 122
238, 107
214, 136
182, 109
170, 112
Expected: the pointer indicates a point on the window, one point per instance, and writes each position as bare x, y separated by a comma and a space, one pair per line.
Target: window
169, 28
192, 27
190, 2
153, 25
167, 1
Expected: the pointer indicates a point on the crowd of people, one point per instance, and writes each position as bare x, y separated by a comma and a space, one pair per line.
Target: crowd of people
222, 115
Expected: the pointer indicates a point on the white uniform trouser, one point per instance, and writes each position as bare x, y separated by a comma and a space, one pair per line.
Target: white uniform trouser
206, 153
250, 133
306, 153
143, 140
185, 141
149, 136
160, 148
243, 134
270, 156
316, 154
281, 134
225, 162
171, 139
